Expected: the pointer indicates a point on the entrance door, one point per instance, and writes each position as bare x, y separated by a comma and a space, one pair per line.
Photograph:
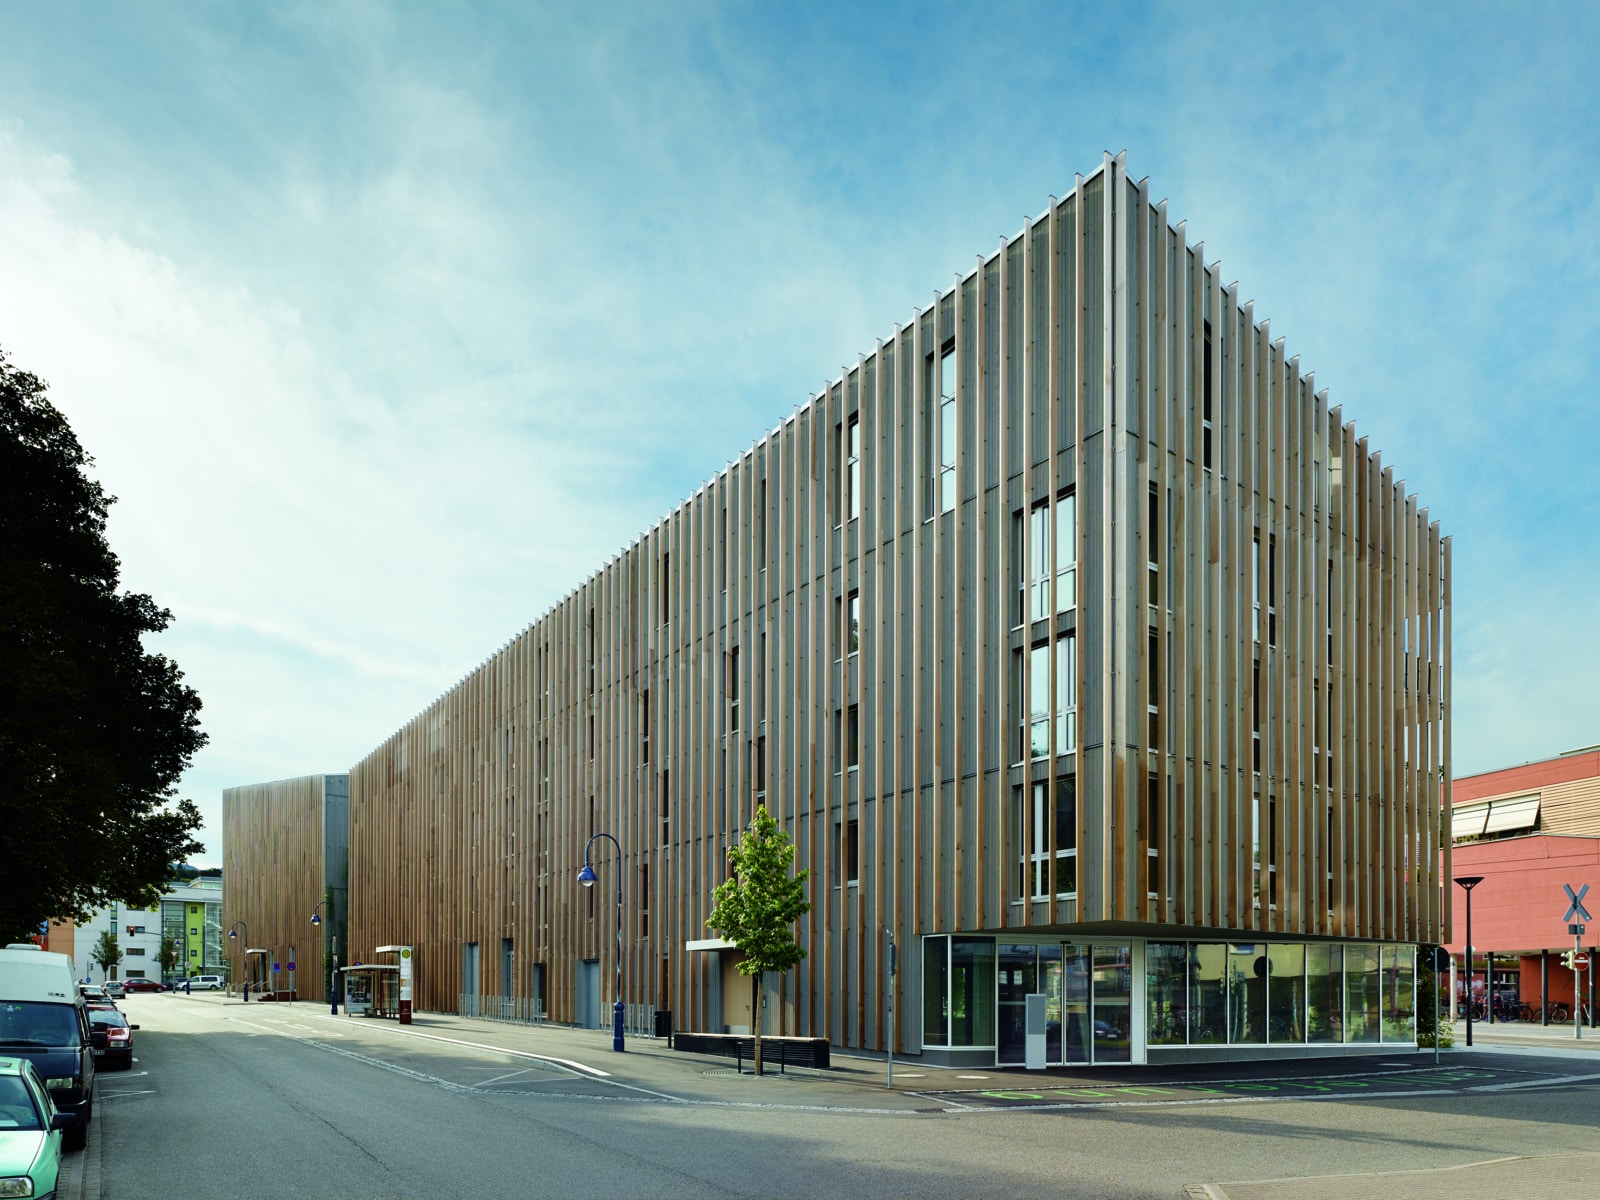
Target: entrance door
1018, 975
586, 993
1076, 1036
1050, 985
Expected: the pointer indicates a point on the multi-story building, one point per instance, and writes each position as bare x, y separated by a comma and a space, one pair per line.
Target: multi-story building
190, 913
285, 862
1529, 833
1083, 649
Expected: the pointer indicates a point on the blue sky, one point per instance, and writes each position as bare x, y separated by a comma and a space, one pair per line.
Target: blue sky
389, 324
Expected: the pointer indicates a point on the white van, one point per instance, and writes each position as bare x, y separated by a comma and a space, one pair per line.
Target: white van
206, 983
43, 1020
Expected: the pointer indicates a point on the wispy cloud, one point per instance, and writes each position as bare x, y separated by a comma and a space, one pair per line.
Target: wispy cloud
389, 326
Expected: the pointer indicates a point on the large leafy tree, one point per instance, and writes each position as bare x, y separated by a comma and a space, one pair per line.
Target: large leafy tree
94, 731
757, 906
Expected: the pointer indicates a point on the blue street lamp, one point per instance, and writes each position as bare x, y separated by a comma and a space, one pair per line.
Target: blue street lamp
333, 979
588, 878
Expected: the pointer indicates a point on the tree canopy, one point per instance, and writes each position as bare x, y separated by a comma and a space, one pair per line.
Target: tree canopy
94, 730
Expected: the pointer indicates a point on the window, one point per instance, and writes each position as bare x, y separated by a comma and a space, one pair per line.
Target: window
1255, 716
1153, 808
666, 588
852, 474
758, 770
1255, 588
134, 951
733, 690
852, 749
1037, 818
666, 793
1272, 590
1049, 560
941, 433
846, 853
1153, 702
644, 900
1205, 403
644, 725
1152, 535
852, 638
1045, 719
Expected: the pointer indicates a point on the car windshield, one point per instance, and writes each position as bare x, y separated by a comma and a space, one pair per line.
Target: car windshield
105, 1016
33, 1023
16, 1105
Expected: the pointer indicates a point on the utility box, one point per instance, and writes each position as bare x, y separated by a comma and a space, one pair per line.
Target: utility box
1036, 1020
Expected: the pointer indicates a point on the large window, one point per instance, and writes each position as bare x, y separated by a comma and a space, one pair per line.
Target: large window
852, 471
1247, 994
958, 994
1166, 967
1047, 560
1044, 862
941, 433
1362, 1007
1052, 698
1286, 993
1325, 993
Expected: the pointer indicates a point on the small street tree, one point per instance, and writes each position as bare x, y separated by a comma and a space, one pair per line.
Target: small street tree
169, 956
757, 906
106, 953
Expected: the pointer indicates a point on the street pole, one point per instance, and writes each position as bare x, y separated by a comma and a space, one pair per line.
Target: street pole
893, 970
1467, 883
1577, 987
588, 878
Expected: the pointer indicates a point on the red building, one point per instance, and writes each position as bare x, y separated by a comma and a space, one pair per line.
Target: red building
1530, 831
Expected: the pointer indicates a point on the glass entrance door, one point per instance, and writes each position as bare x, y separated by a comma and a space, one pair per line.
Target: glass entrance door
1018, 976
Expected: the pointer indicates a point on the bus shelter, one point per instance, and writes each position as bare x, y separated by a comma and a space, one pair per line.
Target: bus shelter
371, 990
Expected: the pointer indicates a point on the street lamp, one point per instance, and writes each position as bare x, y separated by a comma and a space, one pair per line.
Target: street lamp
244, 953
333, 933
588, 878
1467, 883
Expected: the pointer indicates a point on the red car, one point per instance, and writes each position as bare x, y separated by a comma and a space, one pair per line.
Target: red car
142, 985
111, 1036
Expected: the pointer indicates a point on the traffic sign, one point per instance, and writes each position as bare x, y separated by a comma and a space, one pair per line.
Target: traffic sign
1580, 962
276, 967
1575, 909
291, 964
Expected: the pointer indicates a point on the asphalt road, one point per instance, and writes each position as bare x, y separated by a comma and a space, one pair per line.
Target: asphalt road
229, 1100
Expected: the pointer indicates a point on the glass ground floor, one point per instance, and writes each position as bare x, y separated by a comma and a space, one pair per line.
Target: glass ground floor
1136, 1000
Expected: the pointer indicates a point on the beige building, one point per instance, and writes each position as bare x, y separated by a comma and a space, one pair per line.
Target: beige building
1081, 645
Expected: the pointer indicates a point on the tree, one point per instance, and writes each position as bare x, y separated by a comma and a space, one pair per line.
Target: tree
168, 956
94, 731
757, 906
106, 953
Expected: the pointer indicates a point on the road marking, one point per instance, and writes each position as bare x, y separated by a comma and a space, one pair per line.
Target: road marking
105, 1095
434, 1037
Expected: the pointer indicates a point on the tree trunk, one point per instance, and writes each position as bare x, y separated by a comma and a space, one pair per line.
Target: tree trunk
755, 983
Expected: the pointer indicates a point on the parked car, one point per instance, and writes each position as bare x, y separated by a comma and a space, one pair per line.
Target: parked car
143, 985
30, 1131
42, 1020
111, 1036
92, 993
206, 983
113, 988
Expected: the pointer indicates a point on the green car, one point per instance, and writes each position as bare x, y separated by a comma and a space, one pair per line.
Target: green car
30, 1133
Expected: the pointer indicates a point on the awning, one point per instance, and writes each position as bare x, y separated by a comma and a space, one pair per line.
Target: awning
1514, 814
1506, 816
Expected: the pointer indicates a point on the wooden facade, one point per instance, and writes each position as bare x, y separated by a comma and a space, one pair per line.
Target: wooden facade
284, 852
1082, 503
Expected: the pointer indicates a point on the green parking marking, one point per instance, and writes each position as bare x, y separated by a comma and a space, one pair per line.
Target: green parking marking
1147, 1091
1012, 1095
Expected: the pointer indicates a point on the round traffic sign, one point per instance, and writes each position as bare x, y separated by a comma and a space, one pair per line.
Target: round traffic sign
1580, 963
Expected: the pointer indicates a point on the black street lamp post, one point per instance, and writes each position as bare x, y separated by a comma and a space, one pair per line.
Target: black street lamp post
588, 878
244, 955
1467, 883
333, 933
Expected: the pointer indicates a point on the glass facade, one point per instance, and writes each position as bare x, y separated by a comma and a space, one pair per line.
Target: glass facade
975, 992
